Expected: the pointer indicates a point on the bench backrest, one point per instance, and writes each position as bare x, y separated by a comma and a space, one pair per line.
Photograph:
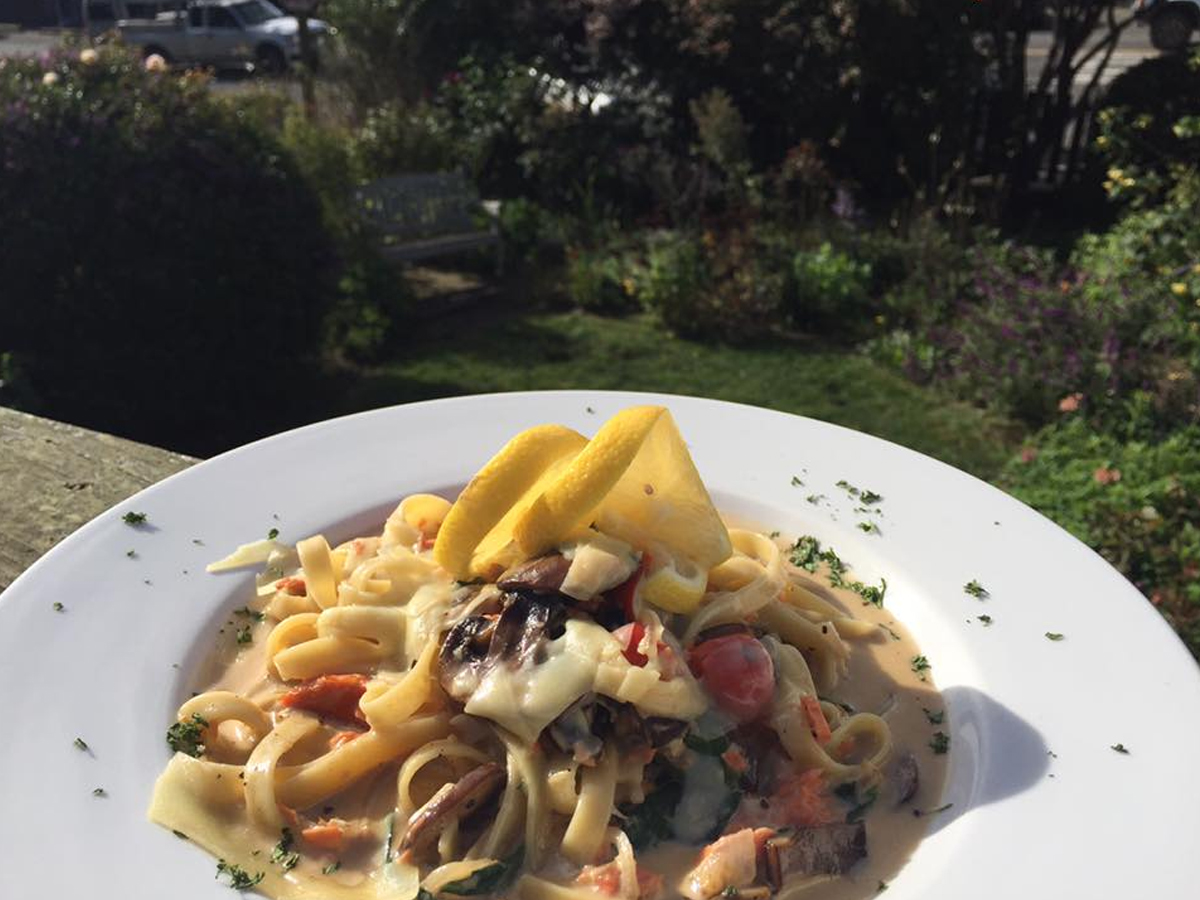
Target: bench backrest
421, 205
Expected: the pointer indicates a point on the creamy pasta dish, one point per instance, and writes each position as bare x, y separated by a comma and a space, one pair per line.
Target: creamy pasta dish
576, 681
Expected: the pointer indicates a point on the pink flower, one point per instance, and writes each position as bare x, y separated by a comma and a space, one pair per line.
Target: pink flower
155, 63
1070, 403
1028, 454
1105, 475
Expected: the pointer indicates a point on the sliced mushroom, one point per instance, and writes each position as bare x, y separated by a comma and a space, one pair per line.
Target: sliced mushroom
462, 659
821, 850
903, 778
451, 802
543, 575
477, 644
523, 626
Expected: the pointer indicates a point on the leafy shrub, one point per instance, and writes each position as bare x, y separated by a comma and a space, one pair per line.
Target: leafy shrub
531, 234
395, 138
1028, 333
1144, 128
729, 286
676, 280
165, 267
831, 288
599, 281
1137, 504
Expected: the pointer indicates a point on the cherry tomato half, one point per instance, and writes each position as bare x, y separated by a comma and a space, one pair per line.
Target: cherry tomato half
737, 672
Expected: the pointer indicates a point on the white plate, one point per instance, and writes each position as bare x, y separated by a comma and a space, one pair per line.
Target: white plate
1042, 807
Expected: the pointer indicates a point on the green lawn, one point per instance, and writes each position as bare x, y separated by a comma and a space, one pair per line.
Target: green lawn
481, 352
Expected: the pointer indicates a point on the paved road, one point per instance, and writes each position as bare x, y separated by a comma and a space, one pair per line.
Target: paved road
1133, 47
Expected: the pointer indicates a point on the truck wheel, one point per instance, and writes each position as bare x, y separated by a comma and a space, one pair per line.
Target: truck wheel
1171, 29
269, 60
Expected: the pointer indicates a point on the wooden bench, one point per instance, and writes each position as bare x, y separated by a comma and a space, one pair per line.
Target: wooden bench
428, 214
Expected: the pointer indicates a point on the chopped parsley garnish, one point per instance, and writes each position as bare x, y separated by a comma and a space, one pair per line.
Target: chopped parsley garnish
895, 637
940, 742
863, 806
848, 487
814, 499
180, 835
81, 744
868, 527
935, 718
283, 852
883, 886
57, 606
132, 554
1120, 748
332, 867
134, 518
986, 620
773, 535
975, 589
239, 878
1054, 636
247, 613
807, 554
870, 498
796, 482
272, 534
188, 737
99, 792
920, 665
243, 635
198, 542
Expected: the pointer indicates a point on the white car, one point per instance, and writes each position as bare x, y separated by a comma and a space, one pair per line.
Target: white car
1172, 22
221, 34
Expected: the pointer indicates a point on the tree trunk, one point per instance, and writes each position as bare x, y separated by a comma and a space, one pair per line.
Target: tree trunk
308, 66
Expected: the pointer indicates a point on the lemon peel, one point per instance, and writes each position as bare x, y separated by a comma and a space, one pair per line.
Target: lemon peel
674, 585
488, 506
570, 501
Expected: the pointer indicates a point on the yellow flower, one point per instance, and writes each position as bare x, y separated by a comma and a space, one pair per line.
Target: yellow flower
1116, 174
1102, 141
1196, 269
1178, 288
629, 287
88, 56
1127, 182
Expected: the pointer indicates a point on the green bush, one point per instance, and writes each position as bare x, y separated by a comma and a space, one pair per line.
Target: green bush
831, 289
1137, 504
724, 287
599, 280
1144, 132
164, 267
395, 138
676, 282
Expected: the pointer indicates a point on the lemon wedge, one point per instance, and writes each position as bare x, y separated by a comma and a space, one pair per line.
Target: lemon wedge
477, 531
635, 478
676, 585
571, 500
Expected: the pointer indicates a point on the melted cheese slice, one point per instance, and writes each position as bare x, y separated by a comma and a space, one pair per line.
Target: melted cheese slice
585, 658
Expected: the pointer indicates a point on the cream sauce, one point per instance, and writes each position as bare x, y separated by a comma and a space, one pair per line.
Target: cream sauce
880, 679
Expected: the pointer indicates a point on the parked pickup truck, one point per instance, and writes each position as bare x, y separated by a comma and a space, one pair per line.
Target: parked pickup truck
1171, 21
222, 34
